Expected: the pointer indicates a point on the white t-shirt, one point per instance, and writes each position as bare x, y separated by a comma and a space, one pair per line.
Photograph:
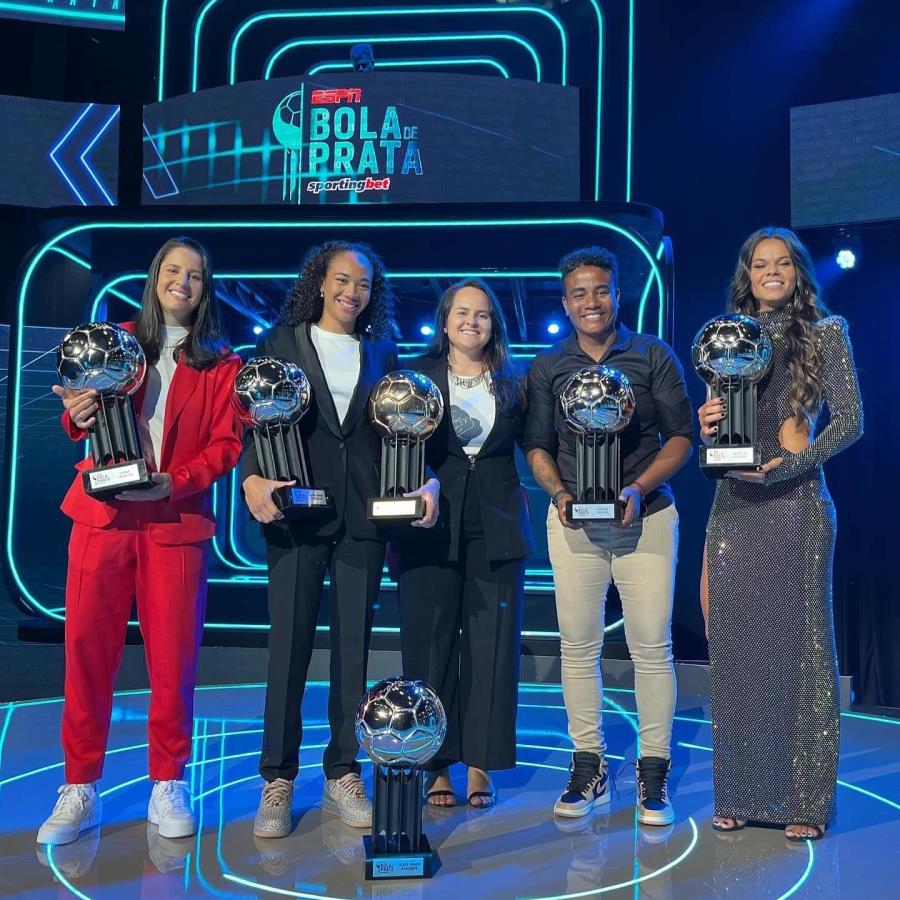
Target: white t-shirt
159, 379
472, 411
339, 357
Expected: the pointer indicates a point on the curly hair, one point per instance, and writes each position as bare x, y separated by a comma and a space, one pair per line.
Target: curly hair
304, 300
599, 257
806, 307
506, 382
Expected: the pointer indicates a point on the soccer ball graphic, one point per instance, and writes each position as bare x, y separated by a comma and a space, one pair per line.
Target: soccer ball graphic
731, 347
407, 403
401, 723
287, 122
597, 399
270, 391
101, 356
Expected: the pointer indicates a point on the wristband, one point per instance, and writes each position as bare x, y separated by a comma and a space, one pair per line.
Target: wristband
555, 498
641, 489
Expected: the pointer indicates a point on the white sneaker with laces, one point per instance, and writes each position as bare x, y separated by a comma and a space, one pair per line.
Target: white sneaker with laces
77, 809
170, 809
347, 797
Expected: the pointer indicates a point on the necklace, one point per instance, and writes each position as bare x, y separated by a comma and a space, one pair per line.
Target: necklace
461, 381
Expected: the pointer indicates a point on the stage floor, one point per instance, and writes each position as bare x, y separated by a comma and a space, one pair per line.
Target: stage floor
516, 849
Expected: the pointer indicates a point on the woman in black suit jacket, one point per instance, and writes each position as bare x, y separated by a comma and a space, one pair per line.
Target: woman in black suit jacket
468, 572
335, 325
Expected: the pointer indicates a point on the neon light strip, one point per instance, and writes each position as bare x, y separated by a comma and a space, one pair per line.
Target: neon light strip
353, 13
90, 147
661, 320
35, 10
335, 66
400, 39
261, 225
62, 141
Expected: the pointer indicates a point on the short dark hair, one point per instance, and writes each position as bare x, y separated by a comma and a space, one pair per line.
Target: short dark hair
598, 257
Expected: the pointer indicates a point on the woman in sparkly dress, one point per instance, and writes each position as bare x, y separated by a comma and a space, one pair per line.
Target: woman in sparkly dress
766, 583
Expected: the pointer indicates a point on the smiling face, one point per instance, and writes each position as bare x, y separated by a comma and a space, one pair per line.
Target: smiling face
346, 290
773, 275
591, 301
179, 285
469, 325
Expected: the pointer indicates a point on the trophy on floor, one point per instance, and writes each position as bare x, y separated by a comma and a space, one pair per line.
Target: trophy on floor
405, 407
109, 360
597, 403
270, 396
731, 354
401, 724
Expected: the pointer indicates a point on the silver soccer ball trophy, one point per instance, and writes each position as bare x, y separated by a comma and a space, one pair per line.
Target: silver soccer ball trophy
401, 723
731, 348
597, 399
270, 391
406, 403
103, 357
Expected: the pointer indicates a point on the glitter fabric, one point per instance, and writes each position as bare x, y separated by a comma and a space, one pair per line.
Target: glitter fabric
773, 664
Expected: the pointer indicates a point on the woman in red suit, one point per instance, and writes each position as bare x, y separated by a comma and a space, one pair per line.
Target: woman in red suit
149, 545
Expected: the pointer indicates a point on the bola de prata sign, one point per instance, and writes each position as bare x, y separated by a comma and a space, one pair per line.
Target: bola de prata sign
356, 138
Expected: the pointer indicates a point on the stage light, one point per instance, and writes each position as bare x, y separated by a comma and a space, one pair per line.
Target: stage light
846, 246
258, 329
553, 328
426, 331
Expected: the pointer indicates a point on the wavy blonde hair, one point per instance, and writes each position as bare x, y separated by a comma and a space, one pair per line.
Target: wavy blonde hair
806, 308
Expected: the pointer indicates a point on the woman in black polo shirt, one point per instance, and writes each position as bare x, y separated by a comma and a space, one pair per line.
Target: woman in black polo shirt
468, 572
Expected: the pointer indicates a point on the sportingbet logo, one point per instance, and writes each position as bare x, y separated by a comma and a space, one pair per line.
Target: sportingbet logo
358, 185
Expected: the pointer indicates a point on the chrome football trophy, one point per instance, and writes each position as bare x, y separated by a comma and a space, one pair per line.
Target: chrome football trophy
401, 724
109, 360
597, 403
732, 353
405, 407
270, 396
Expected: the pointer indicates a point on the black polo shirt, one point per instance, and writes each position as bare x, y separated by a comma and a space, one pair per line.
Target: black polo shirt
662, 406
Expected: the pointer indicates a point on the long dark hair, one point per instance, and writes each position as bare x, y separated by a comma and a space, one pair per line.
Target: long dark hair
506, 383
304, 301
205, 343
806, 308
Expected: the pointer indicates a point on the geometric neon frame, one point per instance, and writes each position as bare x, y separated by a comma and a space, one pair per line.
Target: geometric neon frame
54, 244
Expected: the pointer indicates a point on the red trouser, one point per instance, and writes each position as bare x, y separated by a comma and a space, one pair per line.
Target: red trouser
108, 568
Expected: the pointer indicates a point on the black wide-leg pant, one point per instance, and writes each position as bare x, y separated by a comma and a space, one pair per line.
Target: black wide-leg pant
296, 577
460, 627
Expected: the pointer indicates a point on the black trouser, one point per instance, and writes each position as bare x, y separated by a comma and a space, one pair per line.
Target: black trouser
296, 576
476, 673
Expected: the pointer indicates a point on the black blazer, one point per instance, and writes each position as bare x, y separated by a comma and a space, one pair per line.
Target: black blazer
504, 511
343, 458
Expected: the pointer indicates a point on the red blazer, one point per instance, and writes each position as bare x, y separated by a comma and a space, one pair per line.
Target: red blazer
201, 442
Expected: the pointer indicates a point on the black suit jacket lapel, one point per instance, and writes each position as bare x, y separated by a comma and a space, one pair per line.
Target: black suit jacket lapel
312, 367
369, 373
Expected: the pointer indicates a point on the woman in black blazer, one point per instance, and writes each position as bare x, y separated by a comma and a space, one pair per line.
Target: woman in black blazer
335, 325
468, 572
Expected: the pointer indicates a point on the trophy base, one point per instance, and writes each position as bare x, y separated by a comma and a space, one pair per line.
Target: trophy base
577, 511
715, 462
395, 509
421, 864
104, 482
295, 502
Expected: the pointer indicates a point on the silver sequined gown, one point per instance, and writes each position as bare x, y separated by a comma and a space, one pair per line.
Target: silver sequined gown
773, 665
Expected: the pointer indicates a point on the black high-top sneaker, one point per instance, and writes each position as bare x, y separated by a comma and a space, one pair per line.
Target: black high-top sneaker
588, 786
652, 791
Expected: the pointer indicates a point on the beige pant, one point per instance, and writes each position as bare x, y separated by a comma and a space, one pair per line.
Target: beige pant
641, 562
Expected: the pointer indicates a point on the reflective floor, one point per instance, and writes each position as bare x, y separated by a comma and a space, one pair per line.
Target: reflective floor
513, 850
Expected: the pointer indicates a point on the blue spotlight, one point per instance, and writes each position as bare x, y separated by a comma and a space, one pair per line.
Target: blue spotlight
553, 328
258, 329
426, 331
845, 258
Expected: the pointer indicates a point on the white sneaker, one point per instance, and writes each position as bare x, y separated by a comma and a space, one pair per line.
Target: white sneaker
273, 817
170, 809
77, 809
347, 797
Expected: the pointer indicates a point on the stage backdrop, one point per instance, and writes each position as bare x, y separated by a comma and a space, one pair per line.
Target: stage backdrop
378, 137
